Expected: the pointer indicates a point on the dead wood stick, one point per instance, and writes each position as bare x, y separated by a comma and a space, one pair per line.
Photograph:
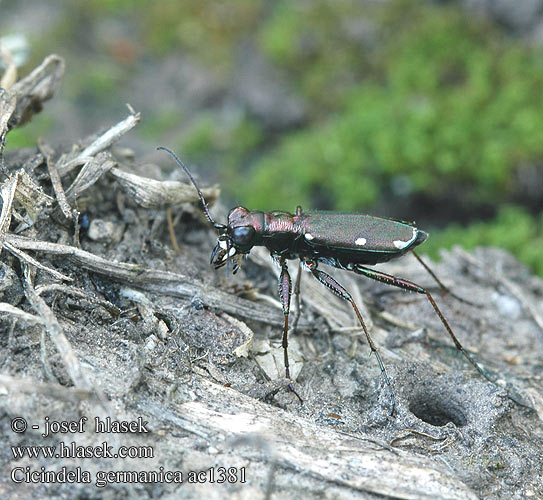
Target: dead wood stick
150, 193
89, 174
8, 103
7, 193
10, 73
35, 88
102, 142
47, 153
71, 363
6, 308
298, 443
32, 387
24, 257
154, 280
80, 294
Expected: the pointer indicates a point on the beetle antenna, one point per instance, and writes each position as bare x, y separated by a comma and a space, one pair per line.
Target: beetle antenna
202, 199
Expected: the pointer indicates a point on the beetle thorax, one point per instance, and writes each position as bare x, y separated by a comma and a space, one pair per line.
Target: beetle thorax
280, 222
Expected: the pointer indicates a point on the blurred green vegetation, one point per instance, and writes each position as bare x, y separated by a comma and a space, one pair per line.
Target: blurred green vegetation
325, 46
453, 104
206, 29
158, 124
28, 136
404, 100
228, 139
513, 229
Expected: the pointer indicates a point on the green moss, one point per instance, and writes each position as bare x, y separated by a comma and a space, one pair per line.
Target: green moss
207, 29
513, 229
223, 141
100, 80
201, 138
155, 126
28, 135
108, 6
281, 32
313, 41
451, 105
20, 138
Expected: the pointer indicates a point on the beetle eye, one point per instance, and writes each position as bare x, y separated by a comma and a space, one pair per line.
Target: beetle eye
243, 235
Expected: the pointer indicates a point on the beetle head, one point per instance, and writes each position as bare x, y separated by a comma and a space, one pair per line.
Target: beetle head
238, 237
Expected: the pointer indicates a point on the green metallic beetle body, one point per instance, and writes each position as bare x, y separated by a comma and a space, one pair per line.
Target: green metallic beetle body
338, 239
343, 240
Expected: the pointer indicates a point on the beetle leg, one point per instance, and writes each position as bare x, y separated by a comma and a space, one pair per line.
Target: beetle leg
409, 285
285, 289
297, 297
341, 292
444, 289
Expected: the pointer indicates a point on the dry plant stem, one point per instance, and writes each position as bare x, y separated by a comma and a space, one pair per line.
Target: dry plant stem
33, 387
77, 241
101, 143
309, 449
112, 135
89, 174
43, 355
65, 167
7, 193
80, 294
47, 153
150, 193
71, 363
171, 230
25, 258
8, 103
154, 280
31, 196
10, 73
29, 93
6, 308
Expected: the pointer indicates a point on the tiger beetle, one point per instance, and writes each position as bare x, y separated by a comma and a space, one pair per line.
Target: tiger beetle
347, 241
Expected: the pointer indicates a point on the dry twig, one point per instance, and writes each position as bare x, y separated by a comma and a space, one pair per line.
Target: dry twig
101, 143
150, 193
7, 192
10, 73
32, 387
300, 444
47, 153
154, 280
25, 98
55, 332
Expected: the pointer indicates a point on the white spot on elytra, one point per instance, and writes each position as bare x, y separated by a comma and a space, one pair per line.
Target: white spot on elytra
232, 252
308, 236
400, 245
222, 244
360, 241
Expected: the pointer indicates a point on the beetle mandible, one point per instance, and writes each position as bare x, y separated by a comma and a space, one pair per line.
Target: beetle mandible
347, 241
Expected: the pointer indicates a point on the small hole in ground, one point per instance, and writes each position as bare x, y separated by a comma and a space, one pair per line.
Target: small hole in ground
437, 409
